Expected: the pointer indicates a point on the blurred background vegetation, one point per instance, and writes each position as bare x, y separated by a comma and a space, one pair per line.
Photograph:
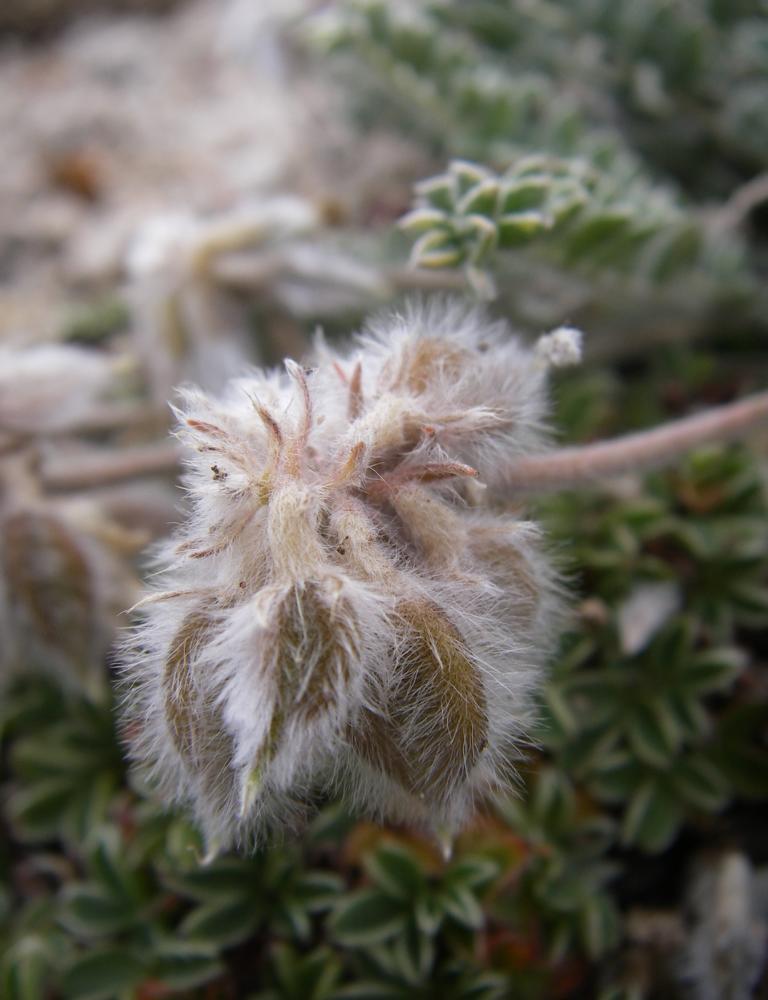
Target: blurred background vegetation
192, 190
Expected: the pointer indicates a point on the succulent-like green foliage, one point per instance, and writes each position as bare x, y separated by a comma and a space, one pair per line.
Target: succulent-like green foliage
635, 726
574, 214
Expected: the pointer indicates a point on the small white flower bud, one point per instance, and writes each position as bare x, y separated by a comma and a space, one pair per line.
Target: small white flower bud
561, 347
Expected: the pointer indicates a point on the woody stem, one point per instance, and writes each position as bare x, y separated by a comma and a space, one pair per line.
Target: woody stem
98, 467
567, 467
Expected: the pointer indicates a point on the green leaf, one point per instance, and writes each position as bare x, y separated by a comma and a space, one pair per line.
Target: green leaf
331, 824
103, 975
317, 890
90, 911
751, 598
223, 922
692, 716
52, 757
482, 235
700, 783
439, 192
519, 196
520, 227
109, 866
592, 233
467, 175
422, 220
413, 954
563, 891
560, 710
297, 919
740, 749
678, 251
461, 903
436, 249
97, 321
652, 818
566, 203
428, 913
480, 199
599, 925
367, 917
228, 878
373, 990
473, 871
184, 965
313, 976
552, 798
653, 733
630, 992
396, 871
39, 809
714, 670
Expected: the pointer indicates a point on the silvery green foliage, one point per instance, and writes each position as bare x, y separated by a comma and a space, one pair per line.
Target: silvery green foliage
602, 78
349, 604
574, 214
653, 97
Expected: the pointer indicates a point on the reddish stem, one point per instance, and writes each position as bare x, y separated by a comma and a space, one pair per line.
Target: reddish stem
567, 467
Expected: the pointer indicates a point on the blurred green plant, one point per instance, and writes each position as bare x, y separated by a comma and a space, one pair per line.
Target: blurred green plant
603, 156
606, 79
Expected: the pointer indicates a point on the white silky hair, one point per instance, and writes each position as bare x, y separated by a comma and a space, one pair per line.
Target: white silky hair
350, 606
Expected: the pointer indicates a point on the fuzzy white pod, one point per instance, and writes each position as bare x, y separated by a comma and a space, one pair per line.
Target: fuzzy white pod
349, 605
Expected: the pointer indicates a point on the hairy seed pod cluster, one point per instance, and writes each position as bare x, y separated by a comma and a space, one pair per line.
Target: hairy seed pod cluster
351, 606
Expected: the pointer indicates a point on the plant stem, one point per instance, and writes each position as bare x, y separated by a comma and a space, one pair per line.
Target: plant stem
98, 467
567, 467
559, 469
